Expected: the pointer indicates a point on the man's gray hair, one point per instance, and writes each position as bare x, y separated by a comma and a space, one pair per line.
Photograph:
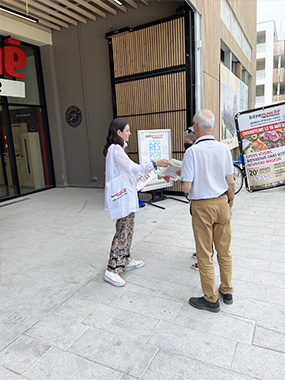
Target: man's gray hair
205, 119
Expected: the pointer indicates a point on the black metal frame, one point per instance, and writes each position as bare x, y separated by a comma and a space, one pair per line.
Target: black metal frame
189, 67
241, 149
8, 130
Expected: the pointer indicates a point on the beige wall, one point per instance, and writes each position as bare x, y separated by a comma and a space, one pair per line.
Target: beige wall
213, 31
78, 66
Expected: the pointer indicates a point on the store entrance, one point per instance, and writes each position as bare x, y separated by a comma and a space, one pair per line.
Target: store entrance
28, 150
25, 153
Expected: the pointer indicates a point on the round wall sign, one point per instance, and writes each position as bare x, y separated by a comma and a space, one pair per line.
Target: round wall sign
73, 116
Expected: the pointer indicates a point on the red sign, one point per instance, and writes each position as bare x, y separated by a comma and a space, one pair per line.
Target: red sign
12, 57
264, 128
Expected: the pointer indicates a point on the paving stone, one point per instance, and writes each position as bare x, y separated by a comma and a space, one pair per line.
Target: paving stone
268, 278
5, 374
148, 305
125, 323
248, 289
259, 362
150, 247
58, 331
233, 328
257, 310
161, 288
76, 308
168, 241
115, 351
13, 325
273, 295
173, 275
22, 353
99, 291
59, 365
277, 267
270, 336
192, 343
167, 366
182, 252
250, 263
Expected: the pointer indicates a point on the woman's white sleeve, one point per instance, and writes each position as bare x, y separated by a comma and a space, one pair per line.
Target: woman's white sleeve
129, 166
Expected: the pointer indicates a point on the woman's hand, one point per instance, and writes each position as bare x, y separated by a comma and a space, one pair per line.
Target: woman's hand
163, 163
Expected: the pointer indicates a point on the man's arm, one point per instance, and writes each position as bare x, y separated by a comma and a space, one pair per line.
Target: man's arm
186, 187
231, 189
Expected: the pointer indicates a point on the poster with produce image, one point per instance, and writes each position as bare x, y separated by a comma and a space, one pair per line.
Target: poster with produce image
261, 134
234, 98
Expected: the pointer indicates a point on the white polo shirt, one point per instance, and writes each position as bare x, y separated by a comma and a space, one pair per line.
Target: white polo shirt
206, 164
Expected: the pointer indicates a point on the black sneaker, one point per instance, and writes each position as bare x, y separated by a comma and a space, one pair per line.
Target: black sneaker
201, 303
228, 298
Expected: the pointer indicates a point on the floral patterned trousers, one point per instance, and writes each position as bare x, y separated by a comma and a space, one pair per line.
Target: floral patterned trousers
121, 244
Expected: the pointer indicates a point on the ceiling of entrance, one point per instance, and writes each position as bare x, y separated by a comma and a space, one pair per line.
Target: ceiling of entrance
56, 14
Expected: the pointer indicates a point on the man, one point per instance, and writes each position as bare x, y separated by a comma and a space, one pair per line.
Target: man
207, 177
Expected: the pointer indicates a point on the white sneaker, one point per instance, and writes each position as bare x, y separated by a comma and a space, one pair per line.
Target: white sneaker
114, 278
134, 264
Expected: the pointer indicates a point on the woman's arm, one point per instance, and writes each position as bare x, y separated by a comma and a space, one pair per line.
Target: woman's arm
130, 167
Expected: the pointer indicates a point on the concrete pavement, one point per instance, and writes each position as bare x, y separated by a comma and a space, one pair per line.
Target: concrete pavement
60, 321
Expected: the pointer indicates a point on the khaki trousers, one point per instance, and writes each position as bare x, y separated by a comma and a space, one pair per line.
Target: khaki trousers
211, 223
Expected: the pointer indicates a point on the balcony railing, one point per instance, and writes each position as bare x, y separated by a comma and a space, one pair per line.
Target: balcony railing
260, 74
259, 100
278, 98
279, 48
279, 75
261, 47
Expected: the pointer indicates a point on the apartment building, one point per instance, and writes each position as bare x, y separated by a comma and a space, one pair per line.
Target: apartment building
270, 65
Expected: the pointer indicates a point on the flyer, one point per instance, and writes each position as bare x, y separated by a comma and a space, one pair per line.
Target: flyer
171, 171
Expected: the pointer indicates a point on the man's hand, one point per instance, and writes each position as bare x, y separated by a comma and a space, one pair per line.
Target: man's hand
163, 163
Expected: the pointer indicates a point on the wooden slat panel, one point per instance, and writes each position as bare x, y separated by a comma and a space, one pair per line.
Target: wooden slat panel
147, 49
156, 94
158, 102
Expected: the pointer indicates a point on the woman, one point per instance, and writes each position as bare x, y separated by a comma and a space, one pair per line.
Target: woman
117, 163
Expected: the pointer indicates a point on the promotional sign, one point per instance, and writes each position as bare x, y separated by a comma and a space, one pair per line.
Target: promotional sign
234, 98
12, 88
261, 134
154, 144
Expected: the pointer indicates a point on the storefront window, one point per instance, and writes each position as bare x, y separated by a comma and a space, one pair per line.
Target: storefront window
25, 162
31, 80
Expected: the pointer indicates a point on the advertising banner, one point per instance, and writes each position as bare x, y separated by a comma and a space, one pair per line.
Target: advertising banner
261, 134
234, 98
154, 144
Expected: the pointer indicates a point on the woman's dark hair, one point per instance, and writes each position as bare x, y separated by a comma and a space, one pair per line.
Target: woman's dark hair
113, 137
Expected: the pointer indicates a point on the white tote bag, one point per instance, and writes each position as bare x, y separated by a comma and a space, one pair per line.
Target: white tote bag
121, 196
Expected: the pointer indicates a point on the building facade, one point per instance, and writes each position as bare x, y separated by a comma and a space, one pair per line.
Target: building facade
270, 65
78, 92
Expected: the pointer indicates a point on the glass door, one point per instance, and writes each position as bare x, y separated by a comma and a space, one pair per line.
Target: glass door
7, 186
30, 148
